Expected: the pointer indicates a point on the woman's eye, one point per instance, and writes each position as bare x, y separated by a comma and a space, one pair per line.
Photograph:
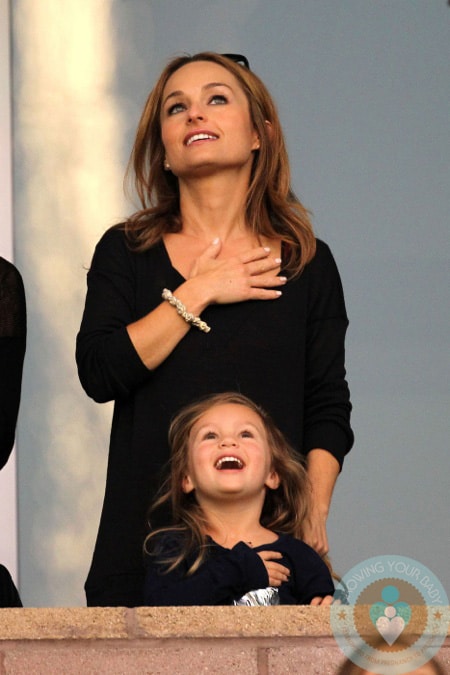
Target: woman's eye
175, 108
218, 99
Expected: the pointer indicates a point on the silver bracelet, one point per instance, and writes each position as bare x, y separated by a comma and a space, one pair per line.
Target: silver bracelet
182, 311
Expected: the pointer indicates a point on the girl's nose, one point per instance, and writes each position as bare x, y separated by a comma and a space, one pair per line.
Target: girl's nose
228, 442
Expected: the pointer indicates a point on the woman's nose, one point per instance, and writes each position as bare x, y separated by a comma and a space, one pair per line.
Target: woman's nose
195, 118
196, 113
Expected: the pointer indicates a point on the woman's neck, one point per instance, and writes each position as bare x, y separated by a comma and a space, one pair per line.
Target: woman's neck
214, 206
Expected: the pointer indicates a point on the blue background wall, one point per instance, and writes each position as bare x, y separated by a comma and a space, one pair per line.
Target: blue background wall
363, 93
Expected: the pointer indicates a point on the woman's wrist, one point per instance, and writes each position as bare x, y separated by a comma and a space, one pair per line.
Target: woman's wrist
193, 295
181, 310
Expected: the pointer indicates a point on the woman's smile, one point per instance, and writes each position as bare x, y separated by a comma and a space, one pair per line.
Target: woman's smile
196, 136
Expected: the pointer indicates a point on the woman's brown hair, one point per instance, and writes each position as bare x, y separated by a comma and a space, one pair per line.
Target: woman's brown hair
272, 209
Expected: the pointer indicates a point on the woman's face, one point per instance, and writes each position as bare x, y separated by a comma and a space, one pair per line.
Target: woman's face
205, 122
229, 455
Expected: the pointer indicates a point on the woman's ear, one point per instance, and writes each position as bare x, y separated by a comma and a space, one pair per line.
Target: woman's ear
272, 480
269, 129
257, 140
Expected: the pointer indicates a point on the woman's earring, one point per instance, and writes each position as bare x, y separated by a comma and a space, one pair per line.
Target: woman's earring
166, 165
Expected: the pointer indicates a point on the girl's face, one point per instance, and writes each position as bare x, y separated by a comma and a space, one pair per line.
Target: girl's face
229, 455
205, 121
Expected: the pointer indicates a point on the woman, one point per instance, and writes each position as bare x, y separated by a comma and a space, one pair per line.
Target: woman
220, 243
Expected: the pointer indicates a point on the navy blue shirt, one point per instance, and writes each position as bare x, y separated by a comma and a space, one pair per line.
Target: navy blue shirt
227, 574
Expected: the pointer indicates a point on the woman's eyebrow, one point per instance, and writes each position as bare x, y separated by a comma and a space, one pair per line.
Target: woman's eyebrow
172, 95
210, 85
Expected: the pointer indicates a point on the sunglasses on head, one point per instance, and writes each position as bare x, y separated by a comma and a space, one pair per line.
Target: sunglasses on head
238, 58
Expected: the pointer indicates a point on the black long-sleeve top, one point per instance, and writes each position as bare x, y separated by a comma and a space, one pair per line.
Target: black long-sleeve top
228, 574
12, 352
286, 354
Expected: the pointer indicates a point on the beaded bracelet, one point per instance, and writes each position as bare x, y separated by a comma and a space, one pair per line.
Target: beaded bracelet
182, 311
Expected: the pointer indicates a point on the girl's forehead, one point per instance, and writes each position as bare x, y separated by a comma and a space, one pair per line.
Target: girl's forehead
226, 413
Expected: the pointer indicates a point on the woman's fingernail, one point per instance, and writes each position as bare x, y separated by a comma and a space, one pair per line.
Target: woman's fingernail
278, 260
267, 249
216, 241
283, 279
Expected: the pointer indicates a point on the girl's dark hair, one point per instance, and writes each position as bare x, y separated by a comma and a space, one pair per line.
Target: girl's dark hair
272, 209
284, 509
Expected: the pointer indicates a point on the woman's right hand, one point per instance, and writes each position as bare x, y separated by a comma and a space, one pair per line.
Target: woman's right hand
248, 276
277, 573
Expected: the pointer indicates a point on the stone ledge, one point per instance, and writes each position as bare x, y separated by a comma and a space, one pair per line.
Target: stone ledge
162, 622
281, 621
85, 623
171, 640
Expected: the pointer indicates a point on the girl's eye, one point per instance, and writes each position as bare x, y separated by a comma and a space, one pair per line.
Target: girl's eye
218, 99
246, 434
175, 108
209, 435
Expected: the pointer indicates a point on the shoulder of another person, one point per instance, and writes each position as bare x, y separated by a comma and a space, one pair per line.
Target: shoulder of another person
8, 270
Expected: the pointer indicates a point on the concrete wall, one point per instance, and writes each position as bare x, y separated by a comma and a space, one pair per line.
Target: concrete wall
362, 89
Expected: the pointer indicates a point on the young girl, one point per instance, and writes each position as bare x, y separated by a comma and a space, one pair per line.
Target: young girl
239, 496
